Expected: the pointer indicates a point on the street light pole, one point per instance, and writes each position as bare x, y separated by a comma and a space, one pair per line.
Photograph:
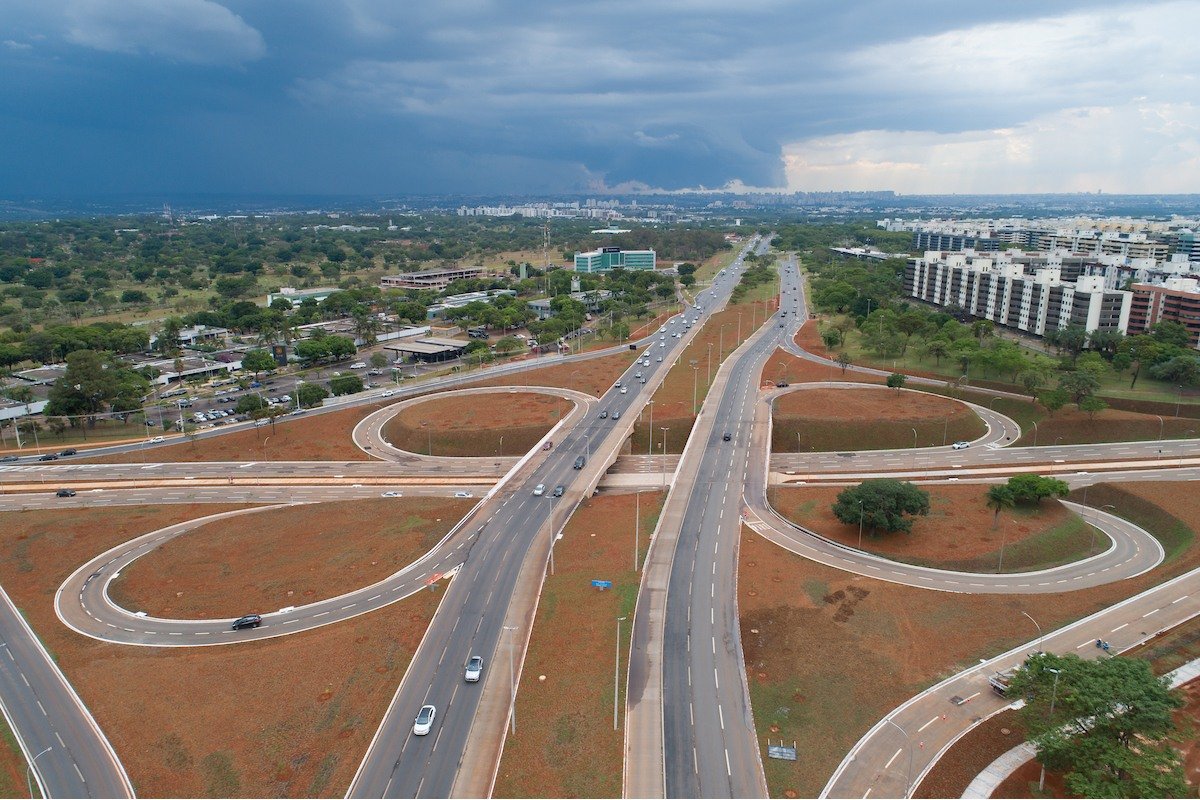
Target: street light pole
860, 520
695, 374
512, 680
1041, 636
637, 524
29, 768
908, 777
617, 670
664, 454
650, 438
1050, 716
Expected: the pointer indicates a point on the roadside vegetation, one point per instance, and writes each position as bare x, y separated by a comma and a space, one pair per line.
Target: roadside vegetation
567, 745
476, 425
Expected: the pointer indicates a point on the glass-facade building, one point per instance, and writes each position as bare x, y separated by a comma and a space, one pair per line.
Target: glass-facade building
609, 258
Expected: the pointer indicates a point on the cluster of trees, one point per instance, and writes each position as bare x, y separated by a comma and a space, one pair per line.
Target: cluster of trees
322, 347
882, 504
54, 342
1027, 489
95, 382
755, 273
1106, 723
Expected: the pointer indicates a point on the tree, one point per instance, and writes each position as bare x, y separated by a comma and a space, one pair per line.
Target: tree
884, 504
999, 498
258, 361
896, 380
507, 344
1111, 725
1054, 399
310, 395
1078, 384
1031, 489
93, 381
843, 361
1183, 370
378, 359
1092, 405
345, 384
168, 336
832, 337
250, 403
1170, 333
939, 349
1032, 380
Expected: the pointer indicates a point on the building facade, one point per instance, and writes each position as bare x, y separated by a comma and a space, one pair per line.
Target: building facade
610, 258
429, 278
1176, 299
1031, 292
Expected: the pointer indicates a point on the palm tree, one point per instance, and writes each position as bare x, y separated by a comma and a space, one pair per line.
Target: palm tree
999, 498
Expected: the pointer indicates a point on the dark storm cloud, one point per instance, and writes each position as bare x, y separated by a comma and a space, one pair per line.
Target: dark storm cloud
469, 95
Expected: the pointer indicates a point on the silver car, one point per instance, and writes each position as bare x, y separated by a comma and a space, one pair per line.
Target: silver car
424, 721
474, 669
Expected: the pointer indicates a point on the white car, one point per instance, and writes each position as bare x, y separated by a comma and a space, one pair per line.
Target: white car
392, 493
474, 669
961, 445
424, 721
462, 494
388, 393
359, 365
539, 490
660, 359
662, 344
624, 390
156, 440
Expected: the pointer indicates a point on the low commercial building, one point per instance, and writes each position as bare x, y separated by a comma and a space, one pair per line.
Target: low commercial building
1030, 292
429, 278
438, 310
609, 258
591, 302
298, 296
427, 348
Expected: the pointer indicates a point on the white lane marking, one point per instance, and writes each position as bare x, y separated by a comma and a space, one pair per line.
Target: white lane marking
1124, 625
1176, 600
728, 769
893, 758
721, 714
1148, 613
927, 724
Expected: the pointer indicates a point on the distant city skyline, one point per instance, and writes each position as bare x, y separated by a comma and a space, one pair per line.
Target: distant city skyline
478, 97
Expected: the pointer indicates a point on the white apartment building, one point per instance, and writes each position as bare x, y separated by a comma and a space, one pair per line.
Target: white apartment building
1030, 292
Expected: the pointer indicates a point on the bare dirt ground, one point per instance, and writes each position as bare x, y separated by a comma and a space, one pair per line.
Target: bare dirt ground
12, 764
476, 425
958, 532
566, 746
312, 437
981, 746
869, 419
287, 717
594, 377
828, 653
1111, 425
287, 557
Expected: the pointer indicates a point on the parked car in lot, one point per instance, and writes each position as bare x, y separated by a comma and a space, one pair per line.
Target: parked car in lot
248, 621
474, 669
359, 365
424, 721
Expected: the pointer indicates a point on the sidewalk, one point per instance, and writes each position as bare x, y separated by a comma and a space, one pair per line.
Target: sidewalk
995, 773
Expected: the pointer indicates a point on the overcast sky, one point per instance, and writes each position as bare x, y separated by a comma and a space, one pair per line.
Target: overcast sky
483, 96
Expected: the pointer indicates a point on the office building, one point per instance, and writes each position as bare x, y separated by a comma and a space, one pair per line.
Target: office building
610, 258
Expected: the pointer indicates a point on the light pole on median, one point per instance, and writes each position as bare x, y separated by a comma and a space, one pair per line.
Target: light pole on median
1050, 716
637, 523
914, 430
650, 438
708, 378
617, 670
1160, 427
1035, 434
664, 454
512, 680
29, 768
695, 374
908, 776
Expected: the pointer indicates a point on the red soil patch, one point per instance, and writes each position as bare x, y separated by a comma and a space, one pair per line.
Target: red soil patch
287, 557
313, 437
982, 745
474, 425
1111, 425
835, 652
959, 525
594, 377
570, 713
251, 720
867, 404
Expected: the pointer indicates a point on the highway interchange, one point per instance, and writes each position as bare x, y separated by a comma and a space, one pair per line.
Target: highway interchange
689, 726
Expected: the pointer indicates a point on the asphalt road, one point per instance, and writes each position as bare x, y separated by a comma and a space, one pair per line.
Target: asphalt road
471, 619
69, 754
